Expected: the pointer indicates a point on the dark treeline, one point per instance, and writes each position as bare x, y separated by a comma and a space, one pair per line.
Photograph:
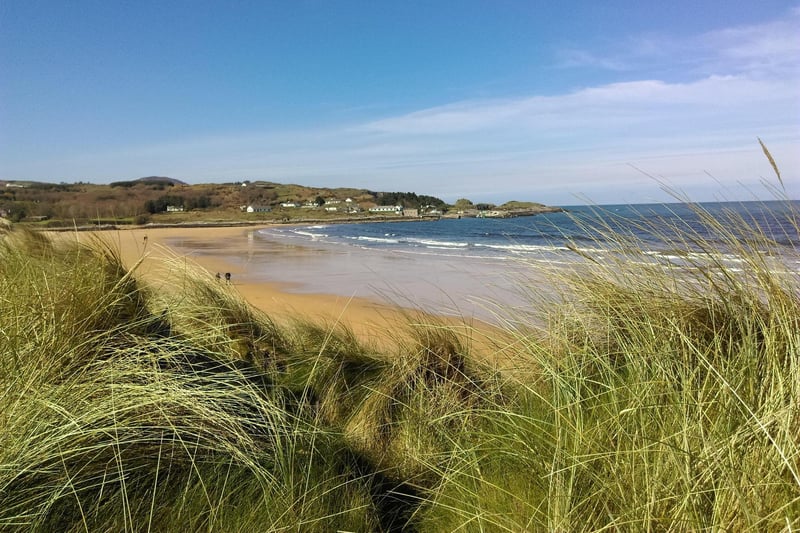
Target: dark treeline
156, 185
409, 199
159, 205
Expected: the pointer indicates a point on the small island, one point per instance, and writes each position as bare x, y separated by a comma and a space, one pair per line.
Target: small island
464, 208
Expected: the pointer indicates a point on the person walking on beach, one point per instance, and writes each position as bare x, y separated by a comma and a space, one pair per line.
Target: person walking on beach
227, 277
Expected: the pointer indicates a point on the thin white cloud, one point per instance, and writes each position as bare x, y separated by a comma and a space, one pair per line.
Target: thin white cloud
604, 106
577, 58
768, 48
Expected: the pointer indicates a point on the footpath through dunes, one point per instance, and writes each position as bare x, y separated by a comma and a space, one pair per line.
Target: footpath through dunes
159, 255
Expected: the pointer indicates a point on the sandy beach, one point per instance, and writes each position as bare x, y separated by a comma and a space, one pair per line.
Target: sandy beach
226, 250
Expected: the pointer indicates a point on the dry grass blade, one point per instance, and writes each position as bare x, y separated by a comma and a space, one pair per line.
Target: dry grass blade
772, 162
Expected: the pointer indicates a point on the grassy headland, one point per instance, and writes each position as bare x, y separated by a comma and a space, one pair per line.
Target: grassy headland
655, 398
166, 201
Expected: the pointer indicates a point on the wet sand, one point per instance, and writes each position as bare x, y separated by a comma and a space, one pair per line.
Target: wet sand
235, 250
436, 283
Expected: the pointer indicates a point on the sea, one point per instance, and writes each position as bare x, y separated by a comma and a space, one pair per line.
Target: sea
479, 266
553, 236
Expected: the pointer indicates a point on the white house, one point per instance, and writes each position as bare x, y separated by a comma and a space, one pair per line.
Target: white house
258, 209
174, 208
288, 204
386, 209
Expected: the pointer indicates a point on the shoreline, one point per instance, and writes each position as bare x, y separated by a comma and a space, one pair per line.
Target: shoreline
508, 213
373, 320
234, 224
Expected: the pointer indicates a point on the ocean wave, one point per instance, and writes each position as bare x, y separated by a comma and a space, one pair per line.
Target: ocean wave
374, 239
522, 248
443, 244
314, 236
594, 250
431, 253
687, 257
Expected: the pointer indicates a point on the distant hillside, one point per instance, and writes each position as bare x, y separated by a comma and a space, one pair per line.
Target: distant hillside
160, 182
162, 179
161, 199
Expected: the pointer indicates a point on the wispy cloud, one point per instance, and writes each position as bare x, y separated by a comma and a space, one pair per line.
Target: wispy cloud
764, 49
607, 106
577, 58
767, 49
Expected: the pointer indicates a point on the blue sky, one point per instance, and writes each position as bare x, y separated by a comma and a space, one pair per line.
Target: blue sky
559, 102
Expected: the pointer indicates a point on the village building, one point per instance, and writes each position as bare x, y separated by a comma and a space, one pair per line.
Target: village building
258, 209
387, 209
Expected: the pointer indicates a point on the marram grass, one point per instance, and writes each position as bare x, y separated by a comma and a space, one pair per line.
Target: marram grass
654, 398
666, 399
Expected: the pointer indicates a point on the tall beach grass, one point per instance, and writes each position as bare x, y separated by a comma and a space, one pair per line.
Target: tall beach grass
656, 396
666, 397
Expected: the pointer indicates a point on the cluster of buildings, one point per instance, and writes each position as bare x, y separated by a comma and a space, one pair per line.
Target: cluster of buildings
348, 206
334, 205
